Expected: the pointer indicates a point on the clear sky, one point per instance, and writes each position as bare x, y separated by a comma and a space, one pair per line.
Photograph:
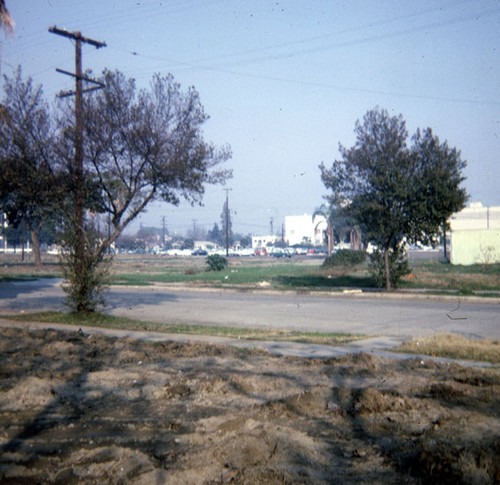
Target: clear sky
285, 81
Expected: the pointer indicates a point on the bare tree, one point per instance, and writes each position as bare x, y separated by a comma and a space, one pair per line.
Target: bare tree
139, 146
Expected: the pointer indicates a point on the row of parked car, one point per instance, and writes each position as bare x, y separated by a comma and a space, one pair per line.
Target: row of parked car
243, 252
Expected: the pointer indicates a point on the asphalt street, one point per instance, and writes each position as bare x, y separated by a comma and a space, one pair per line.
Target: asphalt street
397, 316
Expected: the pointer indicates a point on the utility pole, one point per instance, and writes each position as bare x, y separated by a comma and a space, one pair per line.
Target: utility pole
227, 221
194, 229
78, 160
163, 234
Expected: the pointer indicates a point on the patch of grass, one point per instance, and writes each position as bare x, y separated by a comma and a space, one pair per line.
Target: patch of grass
292, 274
108, 321
5, 278
239, 275
464, 280
454, 347
321, 281
282, 276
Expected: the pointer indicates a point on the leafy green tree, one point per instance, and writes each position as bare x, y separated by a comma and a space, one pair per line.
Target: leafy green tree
215, 234
245, 240
30, 181
392, 190
442, 175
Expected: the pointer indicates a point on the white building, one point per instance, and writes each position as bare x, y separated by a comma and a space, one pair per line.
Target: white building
475, 235
305, 230
264, 241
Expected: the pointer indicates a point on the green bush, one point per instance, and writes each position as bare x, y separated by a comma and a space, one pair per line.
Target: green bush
86, 278
216, 262
398, 267
345, 257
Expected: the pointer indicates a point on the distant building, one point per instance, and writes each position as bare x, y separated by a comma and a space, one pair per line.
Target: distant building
205, 245
475, 235
264, 241
305, 230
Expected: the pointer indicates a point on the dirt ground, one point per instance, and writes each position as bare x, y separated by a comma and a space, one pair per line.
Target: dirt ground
80, 408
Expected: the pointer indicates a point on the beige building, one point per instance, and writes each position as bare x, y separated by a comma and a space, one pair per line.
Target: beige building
475, 235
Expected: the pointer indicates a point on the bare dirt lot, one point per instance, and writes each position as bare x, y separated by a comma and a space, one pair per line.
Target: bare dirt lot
80, 408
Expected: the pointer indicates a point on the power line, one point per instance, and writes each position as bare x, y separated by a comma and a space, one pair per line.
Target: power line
425, 27
305, 40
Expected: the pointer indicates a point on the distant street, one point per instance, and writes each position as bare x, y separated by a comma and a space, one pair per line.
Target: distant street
395, 316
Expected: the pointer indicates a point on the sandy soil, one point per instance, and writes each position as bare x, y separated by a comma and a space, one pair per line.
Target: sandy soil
76, 408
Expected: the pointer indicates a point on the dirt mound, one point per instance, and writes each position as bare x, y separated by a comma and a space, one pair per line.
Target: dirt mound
78, 408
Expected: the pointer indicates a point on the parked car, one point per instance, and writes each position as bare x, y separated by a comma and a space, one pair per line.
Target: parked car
199, 252
281, 253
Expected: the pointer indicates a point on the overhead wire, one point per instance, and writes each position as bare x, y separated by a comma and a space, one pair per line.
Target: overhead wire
176, 7
322, 37
223, 68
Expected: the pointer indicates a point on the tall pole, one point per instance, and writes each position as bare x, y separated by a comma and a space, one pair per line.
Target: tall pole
79, 204
227, 221
78, 159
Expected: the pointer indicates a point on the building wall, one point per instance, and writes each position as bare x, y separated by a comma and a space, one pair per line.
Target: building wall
476, 216
475, 247
263, 241
302, 228
475, 235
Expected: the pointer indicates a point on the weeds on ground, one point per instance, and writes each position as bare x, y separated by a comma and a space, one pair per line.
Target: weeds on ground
455, 347
108, 321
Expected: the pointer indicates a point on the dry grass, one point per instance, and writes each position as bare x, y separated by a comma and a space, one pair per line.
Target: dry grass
108, 321
454, 346
465, 279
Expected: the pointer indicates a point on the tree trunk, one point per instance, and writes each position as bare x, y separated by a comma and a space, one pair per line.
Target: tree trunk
329, 237
444, 242
23, 240
36, 247
387, 270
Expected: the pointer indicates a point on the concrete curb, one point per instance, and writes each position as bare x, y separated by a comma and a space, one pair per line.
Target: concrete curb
350, 293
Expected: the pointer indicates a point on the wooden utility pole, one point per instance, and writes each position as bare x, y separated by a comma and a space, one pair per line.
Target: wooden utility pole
78, 161
227, 221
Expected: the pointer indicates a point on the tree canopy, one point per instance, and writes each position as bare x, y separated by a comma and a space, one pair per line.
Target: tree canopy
30, 182
139, 145
145, 145
397, 193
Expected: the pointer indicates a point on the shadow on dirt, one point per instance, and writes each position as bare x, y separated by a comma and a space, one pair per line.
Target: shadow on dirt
78, 408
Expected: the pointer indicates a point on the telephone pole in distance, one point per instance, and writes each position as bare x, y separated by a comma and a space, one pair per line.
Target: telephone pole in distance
227, 221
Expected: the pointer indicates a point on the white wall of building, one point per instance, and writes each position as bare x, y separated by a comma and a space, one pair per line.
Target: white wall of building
475, 235
303, 229
263, 241
476, 216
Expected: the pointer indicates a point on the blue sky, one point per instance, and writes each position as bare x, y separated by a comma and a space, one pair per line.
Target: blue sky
285, 81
